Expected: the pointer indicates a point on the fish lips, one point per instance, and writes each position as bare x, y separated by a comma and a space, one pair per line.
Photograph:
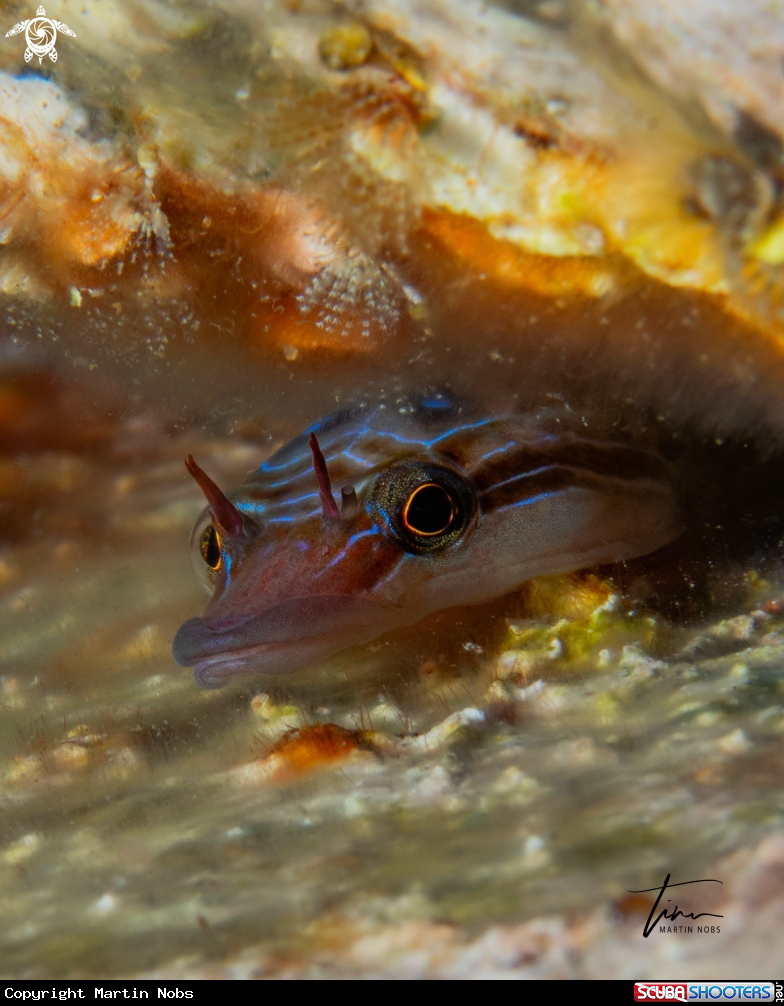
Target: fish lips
283, 638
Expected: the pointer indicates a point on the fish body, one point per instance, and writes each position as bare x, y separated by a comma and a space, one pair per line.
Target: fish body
440, 508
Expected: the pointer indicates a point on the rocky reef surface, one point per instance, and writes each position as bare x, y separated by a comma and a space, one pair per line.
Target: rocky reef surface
221, 221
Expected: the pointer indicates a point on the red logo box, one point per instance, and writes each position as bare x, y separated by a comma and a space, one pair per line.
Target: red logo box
650, 992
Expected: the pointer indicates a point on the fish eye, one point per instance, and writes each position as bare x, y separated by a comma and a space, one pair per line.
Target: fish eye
207, 551
210, 547
424, 505
429, 510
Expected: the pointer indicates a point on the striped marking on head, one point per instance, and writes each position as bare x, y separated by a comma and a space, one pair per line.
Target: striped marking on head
519, 473
509, 459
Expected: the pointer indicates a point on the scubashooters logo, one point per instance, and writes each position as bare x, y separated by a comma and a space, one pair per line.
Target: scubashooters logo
41, 35
684, 992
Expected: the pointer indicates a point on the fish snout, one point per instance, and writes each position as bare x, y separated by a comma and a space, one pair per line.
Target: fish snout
195, 640
283, 637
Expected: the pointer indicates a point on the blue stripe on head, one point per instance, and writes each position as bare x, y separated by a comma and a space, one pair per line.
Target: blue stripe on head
497, 450
529, 500
296, 519
346, 434
351, 541
335, 419
437, 403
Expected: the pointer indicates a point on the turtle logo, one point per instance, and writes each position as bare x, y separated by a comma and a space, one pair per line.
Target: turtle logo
41, 34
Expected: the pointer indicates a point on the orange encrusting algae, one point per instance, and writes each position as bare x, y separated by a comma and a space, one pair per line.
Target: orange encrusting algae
303, 751
554, 276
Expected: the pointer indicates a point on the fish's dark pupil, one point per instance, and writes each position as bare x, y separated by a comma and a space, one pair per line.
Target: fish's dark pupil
210, 547
429, 510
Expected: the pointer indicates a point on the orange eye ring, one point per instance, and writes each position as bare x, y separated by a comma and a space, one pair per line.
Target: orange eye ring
210, 547
425, 505
429, 510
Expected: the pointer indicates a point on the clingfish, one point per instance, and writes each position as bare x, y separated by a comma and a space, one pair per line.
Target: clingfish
433, 509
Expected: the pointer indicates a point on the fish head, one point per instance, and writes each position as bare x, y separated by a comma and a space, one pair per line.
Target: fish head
438, 509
